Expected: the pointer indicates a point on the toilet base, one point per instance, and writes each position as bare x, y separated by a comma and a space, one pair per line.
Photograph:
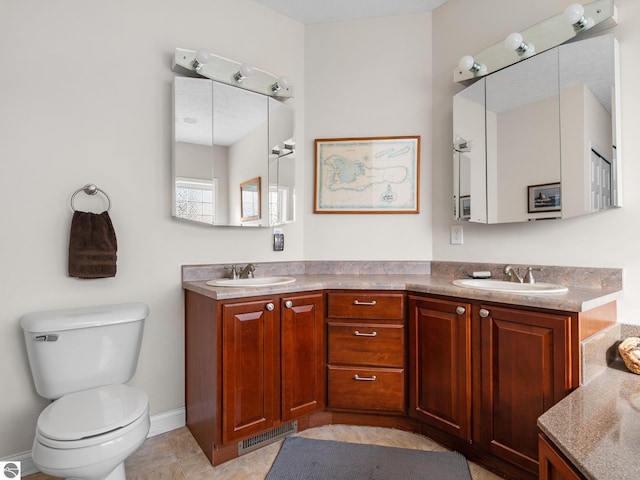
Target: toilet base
118, 473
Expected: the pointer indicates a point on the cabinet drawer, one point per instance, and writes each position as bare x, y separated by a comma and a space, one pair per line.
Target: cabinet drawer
370, 344
367, 305
375, 389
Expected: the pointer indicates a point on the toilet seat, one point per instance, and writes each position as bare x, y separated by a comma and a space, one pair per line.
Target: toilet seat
85, 418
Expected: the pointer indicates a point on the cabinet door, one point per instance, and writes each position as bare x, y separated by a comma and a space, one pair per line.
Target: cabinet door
554, 465
440, 364
302, 350
248, 367
525, 371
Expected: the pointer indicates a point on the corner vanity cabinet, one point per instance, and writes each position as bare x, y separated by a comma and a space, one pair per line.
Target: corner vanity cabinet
251, 365
472, 375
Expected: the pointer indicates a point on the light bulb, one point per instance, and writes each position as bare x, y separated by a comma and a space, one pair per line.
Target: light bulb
245, 71
283, 83
574, 16
466, 63
574, 13
202, 57
513, 41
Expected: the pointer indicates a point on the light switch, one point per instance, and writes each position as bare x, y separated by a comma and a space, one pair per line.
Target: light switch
456, 235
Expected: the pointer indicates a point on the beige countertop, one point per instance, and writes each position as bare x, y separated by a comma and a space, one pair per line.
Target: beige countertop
577, 299
597, 426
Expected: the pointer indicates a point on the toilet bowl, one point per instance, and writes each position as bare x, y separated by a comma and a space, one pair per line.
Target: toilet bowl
82, 359
89, 434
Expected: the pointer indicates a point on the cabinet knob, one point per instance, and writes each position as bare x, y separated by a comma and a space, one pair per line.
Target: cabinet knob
460, 310
288, 304
270, 306
483, 313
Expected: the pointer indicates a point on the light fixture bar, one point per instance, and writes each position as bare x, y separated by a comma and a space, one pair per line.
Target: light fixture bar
547, 34
224, 70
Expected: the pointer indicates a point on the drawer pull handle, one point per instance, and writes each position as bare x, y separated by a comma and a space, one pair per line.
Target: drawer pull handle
372, 378
358, 334
370, 304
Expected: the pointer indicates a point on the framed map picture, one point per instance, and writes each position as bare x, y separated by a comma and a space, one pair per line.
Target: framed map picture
367, 175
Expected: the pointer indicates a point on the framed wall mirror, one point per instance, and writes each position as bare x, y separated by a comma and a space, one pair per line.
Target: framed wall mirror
551, 119
224, 135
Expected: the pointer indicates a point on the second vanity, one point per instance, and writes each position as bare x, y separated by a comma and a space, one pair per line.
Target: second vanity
391, 344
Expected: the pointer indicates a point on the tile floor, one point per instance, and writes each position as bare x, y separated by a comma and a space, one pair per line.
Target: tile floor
175, 455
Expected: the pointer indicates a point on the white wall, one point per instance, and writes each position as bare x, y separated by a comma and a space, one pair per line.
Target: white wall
607, 239
85, 95
369, 78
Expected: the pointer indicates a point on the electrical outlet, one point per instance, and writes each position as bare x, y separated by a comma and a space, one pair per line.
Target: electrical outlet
456, 235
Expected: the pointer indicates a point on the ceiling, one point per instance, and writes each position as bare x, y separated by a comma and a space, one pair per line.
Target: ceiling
323, 11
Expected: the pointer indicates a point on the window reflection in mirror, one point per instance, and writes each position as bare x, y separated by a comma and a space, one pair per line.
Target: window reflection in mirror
548, 119
223, 136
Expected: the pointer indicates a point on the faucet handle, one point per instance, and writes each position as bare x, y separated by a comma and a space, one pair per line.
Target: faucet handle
528, 278
233, 274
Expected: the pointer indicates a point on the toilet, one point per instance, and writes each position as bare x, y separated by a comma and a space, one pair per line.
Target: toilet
82, 358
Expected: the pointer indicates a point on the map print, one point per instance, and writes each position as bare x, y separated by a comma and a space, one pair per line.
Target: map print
367, 175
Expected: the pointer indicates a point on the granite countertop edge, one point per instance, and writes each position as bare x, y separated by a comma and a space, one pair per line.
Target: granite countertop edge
597, 426
577, 299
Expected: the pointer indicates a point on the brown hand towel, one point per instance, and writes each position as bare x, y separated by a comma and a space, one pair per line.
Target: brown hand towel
92, 246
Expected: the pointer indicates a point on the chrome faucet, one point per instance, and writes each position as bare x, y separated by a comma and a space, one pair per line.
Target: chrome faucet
233, 274
247, 272
511, 274
528, 278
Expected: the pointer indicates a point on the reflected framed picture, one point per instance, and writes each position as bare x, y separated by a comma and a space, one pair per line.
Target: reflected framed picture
367, 175
465, 207
544, 198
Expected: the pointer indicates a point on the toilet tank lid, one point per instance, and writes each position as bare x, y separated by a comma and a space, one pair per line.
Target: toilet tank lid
85, 317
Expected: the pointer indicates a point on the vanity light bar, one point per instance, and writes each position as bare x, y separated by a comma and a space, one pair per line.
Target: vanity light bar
547, 34
224, 70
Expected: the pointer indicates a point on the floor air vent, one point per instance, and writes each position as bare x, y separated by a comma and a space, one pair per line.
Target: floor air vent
265, 438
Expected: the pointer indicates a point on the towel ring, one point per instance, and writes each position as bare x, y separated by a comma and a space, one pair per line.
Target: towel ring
90, 189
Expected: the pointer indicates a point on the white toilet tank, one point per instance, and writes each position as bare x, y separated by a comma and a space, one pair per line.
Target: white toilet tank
77, 349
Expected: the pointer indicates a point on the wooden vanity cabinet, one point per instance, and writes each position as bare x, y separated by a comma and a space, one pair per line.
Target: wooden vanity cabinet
440, 364
251, 365
484, 373
366, 352
525, 370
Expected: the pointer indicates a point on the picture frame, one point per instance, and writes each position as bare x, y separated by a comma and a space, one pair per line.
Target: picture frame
465, 207
545, 197
367, 175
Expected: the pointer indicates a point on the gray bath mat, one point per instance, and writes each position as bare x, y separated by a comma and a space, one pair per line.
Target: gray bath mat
308, 459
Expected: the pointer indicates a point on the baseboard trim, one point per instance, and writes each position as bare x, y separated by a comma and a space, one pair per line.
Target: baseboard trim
160, 423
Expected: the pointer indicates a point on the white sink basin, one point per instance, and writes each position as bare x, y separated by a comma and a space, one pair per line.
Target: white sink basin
511, 287
251, 282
